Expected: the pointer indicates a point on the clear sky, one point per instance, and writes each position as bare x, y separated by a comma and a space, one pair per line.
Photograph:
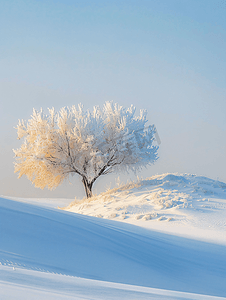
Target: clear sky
167, 56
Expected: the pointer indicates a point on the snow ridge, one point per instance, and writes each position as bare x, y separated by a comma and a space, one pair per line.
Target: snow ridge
183, 199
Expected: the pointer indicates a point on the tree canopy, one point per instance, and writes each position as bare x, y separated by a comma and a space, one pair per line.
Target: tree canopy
86, 143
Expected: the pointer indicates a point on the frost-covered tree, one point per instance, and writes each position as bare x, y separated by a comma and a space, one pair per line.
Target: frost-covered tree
86, 143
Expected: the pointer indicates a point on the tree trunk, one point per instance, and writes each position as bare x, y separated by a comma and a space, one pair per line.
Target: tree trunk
88, 187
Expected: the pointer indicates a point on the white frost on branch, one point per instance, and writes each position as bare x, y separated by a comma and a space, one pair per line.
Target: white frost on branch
90, 144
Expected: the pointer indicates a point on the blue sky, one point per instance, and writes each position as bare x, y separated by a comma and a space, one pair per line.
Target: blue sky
166, 56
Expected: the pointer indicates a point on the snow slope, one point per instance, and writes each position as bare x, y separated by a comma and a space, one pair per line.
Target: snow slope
26, 284
46, 253
183, 204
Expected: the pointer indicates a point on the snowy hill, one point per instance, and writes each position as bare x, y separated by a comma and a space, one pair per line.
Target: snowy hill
47, 253
185, 204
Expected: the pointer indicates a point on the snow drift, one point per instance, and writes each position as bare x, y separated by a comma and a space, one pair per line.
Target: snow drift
184, 204
43, 239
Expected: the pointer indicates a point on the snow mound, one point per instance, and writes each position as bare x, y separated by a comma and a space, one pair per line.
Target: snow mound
170, 198
38, 241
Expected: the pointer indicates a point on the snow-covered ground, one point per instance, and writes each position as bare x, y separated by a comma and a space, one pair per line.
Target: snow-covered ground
182, 204
161, 238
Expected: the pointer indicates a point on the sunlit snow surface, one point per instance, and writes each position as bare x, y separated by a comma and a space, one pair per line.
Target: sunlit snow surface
47, 253
186, 204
